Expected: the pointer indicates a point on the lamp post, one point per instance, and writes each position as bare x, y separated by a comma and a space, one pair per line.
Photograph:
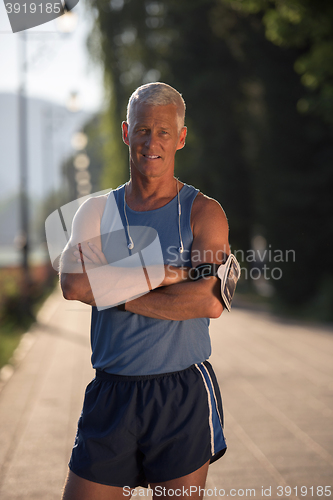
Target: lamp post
66, 24
23, 239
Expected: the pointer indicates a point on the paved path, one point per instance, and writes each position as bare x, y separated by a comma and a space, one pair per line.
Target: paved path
277, 385
276, 380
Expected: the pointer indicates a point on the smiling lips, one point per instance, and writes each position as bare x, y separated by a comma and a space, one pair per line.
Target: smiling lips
151, 157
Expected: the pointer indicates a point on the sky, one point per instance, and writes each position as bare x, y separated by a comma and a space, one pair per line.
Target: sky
58, 63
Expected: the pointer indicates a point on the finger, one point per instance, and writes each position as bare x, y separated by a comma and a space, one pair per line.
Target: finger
83, 257
98, 252
87, 253
84, 260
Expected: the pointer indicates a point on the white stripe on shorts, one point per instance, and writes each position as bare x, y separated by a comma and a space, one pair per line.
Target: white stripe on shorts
213, 389
210, 411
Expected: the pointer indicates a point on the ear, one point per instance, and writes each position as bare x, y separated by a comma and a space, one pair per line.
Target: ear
124, 127
182, 138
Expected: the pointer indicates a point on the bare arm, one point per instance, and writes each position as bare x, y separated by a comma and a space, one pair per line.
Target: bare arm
200, 298
74, 281
84, 271
108, 286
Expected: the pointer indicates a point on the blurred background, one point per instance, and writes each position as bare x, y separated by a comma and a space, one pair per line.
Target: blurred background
257, 77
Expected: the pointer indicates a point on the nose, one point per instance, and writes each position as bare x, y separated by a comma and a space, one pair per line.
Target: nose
150, 140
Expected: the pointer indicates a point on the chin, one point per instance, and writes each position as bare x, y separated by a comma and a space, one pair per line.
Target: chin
149, 170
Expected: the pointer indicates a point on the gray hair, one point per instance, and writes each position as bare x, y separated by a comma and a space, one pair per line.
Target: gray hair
158, 94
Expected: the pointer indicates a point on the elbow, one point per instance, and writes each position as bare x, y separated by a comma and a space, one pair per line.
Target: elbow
215, 309
68, 291
68, 294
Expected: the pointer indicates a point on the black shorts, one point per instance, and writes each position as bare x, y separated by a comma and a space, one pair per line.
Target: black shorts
139, 430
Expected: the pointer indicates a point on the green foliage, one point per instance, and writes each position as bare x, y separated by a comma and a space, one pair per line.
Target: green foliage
308, 26
114, 152
19, 303
258, 113
297, 202
10, 337
141, 42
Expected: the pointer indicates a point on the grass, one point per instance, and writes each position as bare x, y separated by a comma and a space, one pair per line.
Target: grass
10, 336
17, 314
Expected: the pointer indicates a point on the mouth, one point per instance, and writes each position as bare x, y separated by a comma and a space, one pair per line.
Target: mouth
151, 157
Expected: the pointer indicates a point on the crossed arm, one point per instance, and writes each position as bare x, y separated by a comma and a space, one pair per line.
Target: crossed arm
176, 298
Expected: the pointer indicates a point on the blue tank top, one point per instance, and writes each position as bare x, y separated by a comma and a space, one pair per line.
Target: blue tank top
130, 344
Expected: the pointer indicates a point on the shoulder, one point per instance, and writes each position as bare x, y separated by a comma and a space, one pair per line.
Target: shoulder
207, 212
92, 207
87, 219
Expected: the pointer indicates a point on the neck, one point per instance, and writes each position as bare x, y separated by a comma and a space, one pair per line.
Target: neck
149, 194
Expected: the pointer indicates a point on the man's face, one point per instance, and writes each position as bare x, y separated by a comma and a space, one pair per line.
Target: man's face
153, 139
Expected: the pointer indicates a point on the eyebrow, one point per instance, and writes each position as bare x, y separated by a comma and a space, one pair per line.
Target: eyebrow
142, 125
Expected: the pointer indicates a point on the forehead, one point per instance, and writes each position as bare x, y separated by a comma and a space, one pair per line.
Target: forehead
151, 114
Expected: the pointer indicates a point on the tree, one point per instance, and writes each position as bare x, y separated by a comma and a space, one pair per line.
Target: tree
250, 144
141, 42
297, 205
308, 26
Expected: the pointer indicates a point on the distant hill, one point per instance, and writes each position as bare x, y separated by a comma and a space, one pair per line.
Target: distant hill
50, 128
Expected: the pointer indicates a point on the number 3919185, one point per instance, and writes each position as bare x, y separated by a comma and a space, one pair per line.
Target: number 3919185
313, 491
32, 8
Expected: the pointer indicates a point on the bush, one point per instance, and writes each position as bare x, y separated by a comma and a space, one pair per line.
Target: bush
19, 302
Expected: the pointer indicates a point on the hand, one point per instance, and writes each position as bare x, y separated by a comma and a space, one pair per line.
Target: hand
89, 253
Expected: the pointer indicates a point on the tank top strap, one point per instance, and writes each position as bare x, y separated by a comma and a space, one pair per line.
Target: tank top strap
187, 196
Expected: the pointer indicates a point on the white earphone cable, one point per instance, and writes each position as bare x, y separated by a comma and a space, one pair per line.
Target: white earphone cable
181, 248
131, 243
130, 246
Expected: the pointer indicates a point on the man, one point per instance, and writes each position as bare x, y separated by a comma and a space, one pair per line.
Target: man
153, 414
